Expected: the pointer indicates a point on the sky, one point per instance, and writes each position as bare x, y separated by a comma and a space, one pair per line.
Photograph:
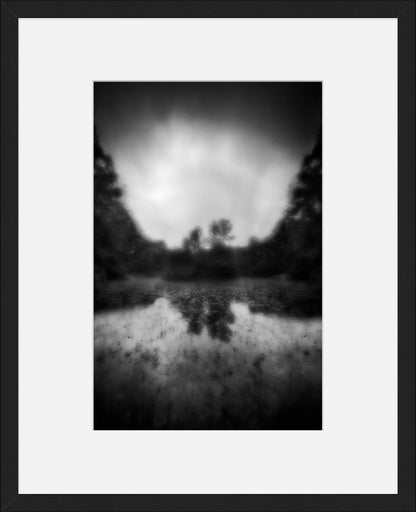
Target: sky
190, 153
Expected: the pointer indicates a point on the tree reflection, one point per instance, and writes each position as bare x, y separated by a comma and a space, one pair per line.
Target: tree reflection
192, 309
210, 310
219, 318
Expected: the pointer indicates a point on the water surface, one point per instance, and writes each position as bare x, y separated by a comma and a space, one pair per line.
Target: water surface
242, 353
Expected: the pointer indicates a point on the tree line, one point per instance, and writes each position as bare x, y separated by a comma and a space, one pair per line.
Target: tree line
293, 248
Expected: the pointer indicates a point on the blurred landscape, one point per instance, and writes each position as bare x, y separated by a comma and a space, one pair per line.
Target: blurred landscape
209, 333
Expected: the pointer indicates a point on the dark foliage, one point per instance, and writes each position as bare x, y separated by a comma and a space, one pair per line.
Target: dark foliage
298, 236
119, 246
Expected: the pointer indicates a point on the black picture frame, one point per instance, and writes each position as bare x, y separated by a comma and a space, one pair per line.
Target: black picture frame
404, 12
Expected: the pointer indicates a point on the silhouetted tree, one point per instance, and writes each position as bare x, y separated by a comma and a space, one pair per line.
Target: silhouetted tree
298, 236
193, 242
119, 246
115, 233
220, 232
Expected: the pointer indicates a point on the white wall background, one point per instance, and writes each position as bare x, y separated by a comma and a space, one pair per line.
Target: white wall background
59, 452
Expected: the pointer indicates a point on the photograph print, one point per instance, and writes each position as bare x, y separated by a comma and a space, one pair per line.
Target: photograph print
208, 255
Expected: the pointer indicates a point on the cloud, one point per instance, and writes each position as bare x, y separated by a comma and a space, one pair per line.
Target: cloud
182, 172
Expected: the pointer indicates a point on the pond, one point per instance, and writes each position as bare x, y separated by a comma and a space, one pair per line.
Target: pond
236, 354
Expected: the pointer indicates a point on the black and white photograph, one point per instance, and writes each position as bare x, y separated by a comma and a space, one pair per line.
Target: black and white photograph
207, 255
208, 248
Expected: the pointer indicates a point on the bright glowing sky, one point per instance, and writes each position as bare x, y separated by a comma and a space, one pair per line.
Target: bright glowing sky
188, 154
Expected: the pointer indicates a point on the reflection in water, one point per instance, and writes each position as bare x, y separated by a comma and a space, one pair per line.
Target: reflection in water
218, 319
162, 362
192, 310
212, 311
